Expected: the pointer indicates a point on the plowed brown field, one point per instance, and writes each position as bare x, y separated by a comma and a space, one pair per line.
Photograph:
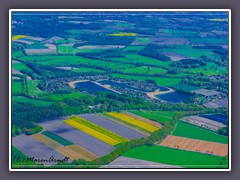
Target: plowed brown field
201, 146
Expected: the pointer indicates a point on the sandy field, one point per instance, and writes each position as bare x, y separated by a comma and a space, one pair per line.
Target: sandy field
201, 146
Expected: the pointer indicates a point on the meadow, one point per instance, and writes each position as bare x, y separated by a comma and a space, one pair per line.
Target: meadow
159, 116
176, 157
145, 70
35, 102
191, 131
160, 80
20, 66
61, 97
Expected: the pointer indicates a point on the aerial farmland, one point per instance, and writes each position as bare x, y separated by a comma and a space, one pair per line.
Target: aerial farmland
120, 90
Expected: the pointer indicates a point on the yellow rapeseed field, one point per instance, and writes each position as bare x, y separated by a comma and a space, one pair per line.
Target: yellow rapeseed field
18, 37
123, 34
92, 132
99, 128
133, 121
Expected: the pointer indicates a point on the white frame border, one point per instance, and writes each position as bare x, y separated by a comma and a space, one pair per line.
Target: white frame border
116, 10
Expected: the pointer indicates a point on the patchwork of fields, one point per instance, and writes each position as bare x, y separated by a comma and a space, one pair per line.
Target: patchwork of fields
87, 136
127, 89
38, 150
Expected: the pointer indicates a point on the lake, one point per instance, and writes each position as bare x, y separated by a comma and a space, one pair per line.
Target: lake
162, 88
175, 97
90, 86
124, 85
117, 84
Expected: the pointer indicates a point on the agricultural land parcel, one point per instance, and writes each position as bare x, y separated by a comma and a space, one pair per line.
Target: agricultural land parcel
191, 131
189, 144
181, 158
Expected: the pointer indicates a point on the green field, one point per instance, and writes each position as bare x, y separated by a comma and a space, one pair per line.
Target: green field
160, 80
159, 116
146, 60
209, 69
16, 86
32, 101
175, 157
60, 97
71, 50
20, 66
68, 60
57, 138
32, 87
191, 131
145, 70
64, 41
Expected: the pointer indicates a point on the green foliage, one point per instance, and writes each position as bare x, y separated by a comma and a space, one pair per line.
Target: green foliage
224, 131
35, 102
188, 63
151, 51
17, 46
30, 131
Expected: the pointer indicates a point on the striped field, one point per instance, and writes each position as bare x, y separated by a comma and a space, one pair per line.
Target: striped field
143, 125
143, 119
71, 151
46, 140
96, 131
84, 153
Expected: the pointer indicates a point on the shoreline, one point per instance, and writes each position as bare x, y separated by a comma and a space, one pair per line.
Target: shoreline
71, 84
158, 92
